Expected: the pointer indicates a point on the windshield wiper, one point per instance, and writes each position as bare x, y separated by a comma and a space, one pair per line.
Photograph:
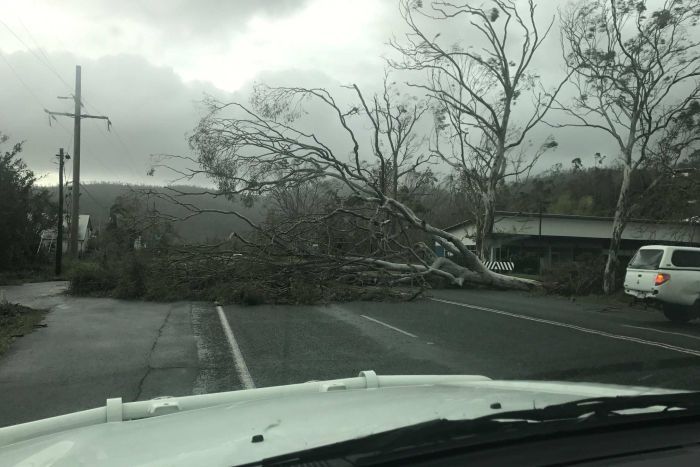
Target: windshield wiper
606, 407
442, 434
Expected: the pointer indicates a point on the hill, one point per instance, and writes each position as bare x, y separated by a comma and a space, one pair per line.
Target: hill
97, 198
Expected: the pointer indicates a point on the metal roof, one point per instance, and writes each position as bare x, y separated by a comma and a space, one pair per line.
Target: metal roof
545, 215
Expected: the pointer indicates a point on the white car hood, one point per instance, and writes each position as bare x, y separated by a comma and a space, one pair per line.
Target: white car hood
333, 412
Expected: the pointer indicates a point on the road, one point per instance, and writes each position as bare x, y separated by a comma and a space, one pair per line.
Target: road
92, 349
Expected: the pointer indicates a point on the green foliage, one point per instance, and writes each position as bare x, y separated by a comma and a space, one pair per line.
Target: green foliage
304, 292
581, 277
16, 320
131, 278
91, 278
202, 228
25, 210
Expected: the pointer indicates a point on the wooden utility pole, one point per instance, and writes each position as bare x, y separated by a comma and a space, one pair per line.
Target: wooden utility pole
59, 228
77, 116
75, 215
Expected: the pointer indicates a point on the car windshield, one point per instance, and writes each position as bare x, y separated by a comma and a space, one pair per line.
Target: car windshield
209, 196
647, 259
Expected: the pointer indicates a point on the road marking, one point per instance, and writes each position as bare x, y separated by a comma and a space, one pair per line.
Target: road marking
389, 326
238, 360
662, 345
663, 332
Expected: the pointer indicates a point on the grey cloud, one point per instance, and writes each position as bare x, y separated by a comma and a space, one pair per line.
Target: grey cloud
151, 108
191, 20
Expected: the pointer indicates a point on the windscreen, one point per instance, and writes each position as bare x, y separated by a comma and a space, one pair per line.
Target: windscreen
201, 196
646, 259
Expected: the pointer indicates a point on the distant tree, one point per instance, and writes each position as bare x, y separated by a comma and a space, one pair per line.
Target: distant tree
26, 210
636, 75
131, 218
474, 91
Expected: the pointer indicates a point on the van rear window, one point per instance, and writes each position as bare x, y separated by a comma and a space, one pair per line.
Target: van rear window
686, 259
646, 259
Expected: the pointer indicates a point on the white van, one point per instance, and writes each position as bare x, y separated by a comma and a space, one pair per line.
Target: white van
669, 275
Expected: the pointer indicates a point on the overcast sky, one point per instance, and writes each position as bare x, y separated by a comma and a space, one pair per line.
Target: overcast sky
146, 64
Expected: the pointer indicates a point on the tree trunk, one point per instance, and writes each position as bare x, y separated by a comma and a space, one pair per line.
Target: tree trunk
486, 227
618, 227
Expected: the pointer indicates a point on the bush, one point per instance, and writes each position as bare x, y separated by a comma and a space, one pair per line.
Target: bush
132, 274
304, 292
152, 276
581, 277
90, 278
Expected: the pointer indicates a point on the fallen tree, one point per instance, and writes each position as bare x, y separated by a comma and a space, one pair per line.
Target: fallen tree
359, 226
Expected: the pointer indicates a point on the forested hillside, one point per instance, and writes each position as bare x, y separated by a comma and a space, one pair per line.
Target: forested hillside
97, 198
593, 191
590, 191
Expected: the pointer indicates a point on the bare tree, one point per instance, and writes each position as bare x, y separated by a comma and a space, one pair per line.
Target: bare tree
260, 149
636, 73
398, 148
475, 90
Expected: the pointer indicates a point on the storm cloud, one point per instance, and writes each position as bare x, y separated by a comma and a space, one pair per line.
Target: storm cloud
148, 65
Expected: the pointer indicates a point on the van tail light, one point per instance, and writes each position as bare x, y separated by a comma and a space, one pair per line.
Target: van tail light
662, 278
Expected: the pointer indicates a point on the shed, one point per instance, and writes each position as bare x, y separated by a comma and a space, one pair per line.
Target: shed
562, 237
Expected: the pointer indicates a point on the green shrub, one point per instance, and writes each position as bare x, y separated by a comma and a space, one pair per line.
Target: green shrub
581, 277
132, 272
90, 278
304, 292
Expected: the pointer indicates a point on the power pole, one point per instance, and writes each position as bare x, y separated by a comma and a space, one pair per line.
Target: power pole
77, 116
59, 229
76, 166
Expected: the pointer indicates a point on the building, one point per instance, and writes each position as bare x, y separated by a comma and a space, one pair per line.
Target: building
85, 233
552, 238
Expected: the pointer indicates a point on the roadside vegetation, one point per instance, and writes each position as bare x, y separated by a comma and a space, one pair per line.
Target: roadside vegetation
138, 256
17, 321
26, 210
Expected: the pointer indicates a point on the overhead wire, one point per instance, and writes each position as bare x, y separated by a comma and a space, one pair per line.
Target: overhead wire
33, 94
49, 63
37, 56
84, 188
46, 61
114, 130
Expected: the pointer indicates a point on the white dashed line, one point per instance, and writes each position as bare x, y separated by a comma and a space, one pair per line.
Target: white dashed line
663, 332
662, 345
238, 360
389, 326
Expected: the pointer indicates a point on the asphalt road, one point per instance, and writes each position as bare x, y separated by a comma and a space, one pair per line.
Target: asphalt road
93, 349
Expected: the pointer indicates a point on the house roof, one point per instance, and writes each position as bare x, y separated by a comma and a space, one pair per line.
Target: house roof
84, 224
545, 215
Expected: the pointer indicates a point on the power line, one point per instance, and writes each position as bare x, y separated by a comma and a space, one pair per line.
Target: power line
48, 60
91, 197
111, 142
38, 57
116, 133
30, 91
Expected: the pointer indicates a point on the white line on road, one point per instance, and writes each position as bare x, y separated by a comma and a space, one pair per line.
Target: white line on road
241, 367
389, 326
663, 332
577, 328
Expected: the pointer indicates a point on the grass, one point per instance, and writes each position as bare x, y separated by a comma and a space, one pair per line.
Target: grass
17, 321
522, 275
29, 275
